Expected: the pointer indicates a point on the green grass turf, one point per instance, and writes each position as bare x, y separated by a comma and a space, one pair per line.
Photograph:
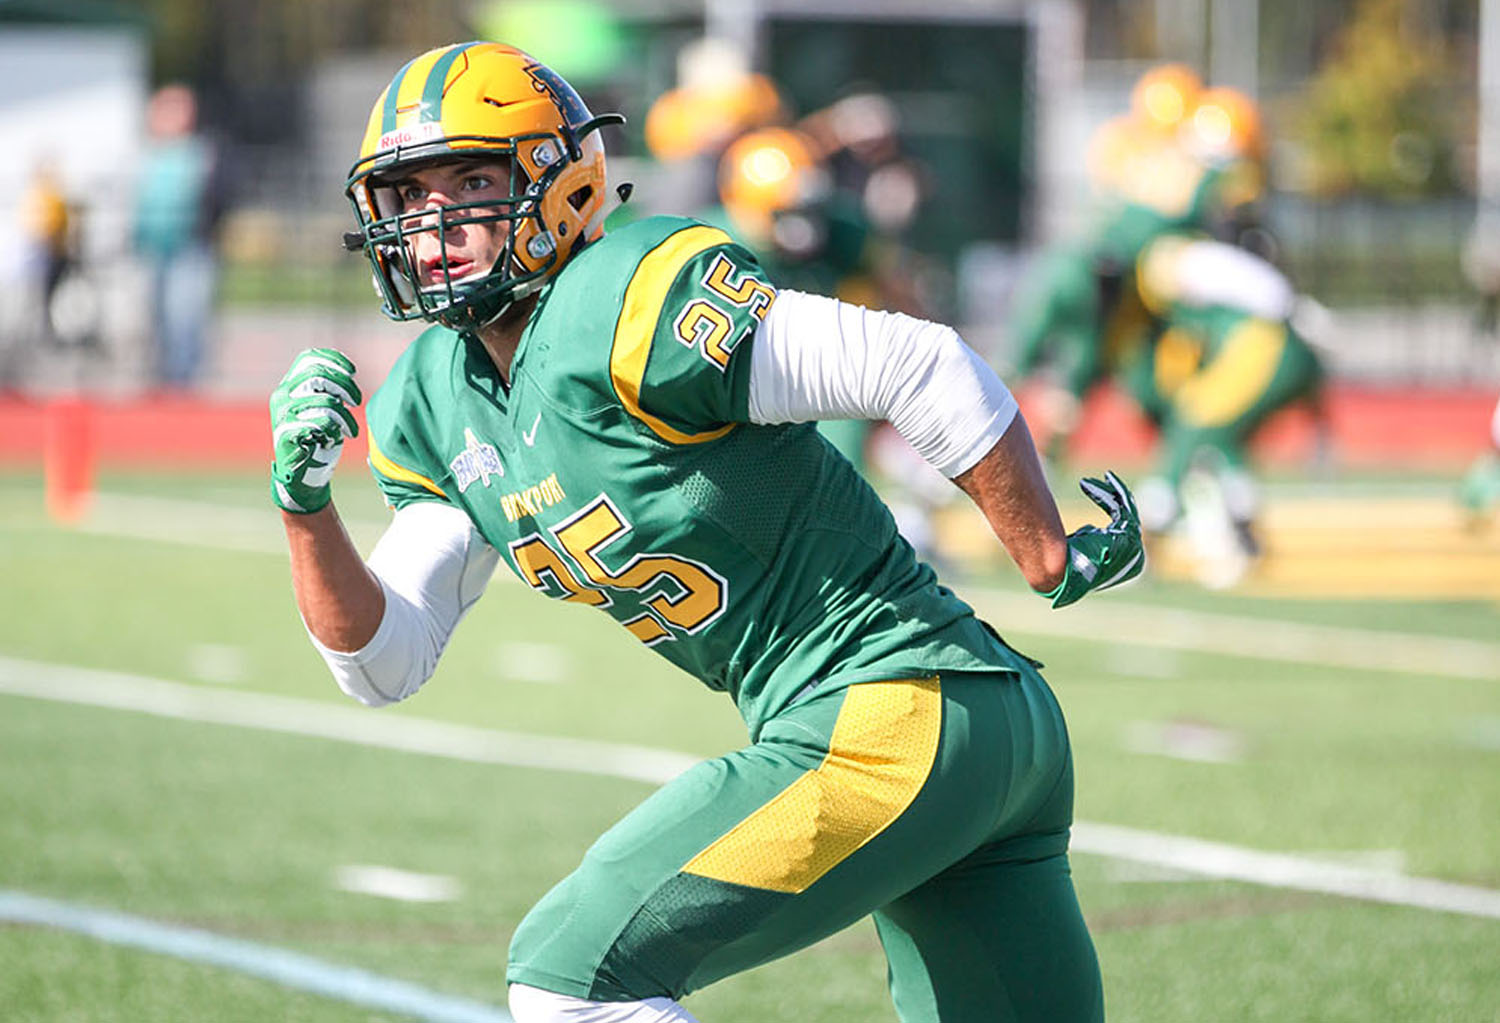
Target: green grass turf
240, 832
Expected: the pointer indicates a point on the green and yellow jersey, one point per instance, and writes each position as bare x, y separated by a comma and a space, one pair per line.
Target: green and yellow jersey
619, 470
1163, 188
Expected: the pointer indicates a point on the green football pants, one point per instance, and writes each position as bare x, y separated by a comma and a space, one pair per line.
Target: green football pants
940, 806
1261, 368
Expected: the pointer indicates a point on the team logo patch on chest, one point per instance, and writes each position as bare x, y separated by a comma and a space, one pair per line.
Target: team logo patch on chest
477, 461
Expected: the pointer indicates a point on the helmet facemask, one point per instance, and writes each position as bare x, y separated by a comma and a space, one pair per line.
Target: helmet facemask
483, 293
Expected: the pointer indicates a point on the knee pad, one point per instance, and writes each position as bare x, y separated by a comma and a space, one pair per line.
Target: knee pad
533, 1005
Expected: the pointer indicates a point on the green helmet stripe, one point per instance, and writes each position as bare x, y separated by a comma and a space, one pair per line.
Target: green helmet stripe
432, 91
388, 115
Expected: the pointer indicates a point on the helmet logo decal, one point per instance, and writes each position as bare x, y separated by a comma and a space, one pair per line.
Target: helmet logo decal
544, 79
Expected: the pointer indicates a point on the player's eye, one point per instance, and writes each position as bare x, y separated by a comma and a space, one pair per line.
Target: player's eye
411, 193
477, 182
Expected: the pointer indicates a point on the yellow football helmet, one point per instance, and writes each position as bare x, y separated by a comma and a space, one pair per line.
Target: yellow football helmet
694, 120
1164, 95
1225, 125
767, 172
485, 101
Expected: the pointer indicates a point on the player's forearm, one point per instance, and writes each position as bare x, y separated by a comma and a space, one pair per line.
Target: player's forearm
339, 597
1010, 489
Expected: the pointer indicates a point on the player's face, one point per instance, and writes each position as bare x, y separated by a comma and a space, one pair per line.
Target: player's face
470, 248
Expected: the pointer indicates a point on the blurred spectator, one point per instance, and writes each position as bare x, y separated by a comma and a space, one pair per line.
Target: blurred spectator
178, 209
47, 226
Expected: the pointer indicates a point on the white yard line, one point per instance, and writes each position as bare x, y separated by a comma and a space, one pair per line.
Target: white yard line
340, 722
198, 523
393, 883
1110, 620
461, 742
1279, 870
278, 965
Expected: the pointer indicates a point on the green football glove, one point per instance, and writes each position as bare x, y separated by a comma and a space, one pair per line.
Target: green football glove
1101, 558
310, 419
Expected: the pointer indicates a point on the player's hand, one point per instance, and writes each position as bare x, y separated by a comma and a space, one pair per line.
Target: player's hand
310, 420
1099, 558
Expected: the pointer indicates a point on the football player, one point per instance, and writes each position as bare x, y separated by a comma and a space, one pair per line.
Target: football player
625, 421
1192, 161
1225, 357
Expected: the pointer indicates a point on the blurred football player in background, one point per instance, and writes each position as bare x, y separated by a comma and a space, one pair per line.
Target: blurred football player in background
817, 229
623, 419
1224, 356
1183, 159
718, 98
1167, 296
1160, 101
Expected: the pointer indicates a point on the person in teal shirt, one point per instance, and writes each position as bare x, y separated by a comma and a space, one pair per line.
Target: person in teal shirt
178, 207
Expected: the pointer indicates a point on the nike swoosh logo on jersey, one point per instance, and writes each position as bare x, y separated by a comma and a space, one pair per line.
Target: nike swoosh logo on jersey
529, 436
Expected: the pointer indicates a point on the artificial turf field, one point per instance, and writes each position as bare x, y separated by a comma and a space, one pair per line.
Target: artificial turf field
172, 751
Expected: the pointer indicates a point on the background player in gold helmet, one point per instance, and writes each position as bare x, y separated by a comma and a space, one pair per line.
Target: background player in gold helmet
1185, 159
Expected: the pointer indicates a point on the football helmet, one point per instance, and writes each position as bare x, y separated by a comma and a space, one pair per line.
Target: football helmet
491, 102
767, 172
1164, 95
695, 120
1224, 126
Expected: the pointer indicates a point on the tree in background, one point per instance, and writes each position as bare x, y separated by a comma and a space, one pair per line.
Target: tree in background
1378, 118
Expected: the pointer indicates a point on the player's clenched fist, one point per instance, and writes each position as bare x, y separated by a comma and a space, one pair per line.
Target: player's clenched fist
310, 419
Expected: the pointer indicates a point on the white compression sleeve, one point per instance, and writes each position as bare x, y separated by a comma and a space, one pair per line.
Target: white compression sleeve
819, 358
1215, 273
433, 565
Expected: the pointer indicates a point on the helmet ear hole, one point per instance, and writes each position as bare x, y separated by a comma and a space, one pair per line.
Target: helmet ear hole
579, 197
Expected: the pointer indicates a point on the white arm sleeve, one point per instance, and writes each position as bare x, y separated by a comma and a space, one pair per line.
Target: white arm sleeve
433, 565
1214, 273
819, 358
